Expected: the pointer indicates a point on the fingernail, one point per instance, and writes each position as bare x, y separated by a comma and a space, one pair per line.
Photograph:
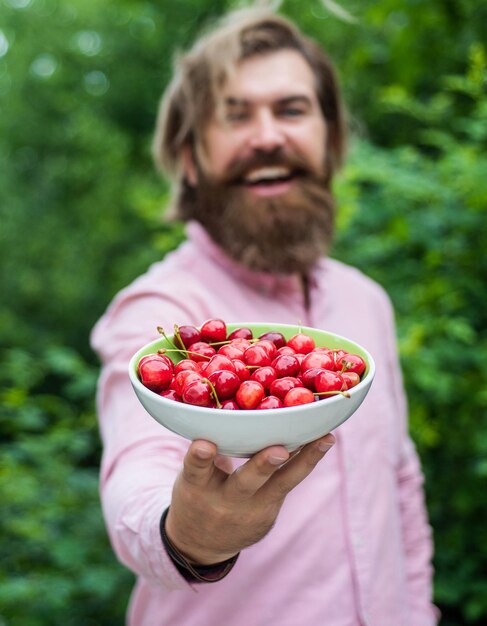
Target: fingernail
276, 460
203, 453
324, 446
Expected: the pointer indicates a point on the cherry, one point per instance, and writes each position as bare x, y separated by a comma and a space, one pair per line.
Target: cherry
241, 343
308, 377
159, 355
286, 365
198, 393
326, 381
230, 405
241, 369
187, 334
323, 360
241, 333
231, 351
201, 351
298, 396
350, 379
182, 378
249, 394
352, 363
264, 375
170, 394
257, 356
301, 343
285, 350
270, 402
217, 362
281, 386
225, 383
213, 330
268, 346
277, 338
185, 364
155, 373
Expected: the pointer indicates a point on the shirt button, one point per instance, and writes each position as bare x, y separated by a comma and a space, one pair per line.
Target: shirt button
357, 541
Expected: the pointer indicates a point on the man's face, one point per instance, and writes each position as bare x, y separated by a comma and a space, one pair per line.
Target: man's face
262, 187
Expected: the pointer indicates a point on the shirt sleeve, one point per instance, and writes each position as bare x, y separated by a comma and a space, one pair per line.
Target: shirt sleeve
141, 458
416, 531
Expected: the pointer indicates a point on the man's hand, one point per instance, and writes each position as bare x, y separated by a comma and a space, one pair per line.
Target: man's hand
216, 512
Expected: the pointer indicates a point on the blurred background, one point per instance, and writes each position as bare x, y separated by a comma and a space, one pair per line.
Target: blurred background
80, 217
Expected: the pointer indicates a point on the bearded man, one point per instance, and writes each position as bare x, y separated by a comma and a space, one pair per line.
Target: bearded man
251, 131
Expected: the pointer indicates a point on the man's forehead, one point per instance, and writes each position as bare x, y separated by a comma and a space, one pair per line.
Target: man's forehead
271, 77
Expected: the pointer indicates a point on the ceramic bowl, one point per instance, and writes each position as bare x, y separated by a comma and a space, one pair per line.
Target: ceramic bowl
245, 432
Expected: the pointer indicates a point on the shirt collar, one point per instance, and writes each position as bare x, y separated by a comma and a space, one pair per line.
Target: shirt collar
264, 282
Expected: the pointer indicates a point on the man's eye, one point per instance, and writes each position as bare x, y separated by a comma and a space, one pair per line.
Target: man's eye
292, 112
236, 116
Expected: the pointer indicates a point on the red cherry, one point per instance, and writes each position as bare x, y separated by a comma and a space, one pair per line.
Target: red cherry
225, 383
249, 394
255, 355
352, 363
231, 351
241, 333
201, 351
264, 375
350, 379
286, 365
328, 381
337, 355
189, 334
157, 357
230, 405
155, 373
198, 393
218, 362
182, 378
270, 402
323, 360
281, 386
185, 364
268, 346
301, 343
298, 396
308, 377
277, 338
170, 394
213, 330
241, 369
241, 343
285, 350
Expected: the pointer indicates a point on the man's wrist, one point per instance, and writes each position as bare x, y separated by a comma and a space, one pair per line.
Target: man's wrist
194, 572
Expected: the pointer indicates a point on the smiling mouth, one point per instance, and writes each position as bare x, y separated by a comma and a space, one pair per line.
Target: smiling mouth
269, 176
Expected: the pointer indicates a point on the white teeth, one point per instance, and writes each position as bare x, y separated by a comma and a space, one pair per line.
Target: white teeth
267, 173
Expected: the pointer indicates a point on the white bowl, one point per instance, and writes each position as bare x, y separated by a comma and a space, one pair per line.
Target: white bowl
243, 433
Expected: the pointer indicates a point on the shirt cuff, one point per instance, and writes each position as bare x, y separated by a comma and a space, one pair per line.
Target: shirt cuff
192, 572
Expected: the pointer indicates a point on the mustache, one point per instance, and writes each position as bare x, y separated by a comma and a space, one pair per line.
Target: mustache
239, 168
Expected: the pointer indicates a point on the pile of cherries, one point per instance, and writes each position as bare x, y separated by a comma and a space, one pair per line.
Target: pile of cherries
238, 371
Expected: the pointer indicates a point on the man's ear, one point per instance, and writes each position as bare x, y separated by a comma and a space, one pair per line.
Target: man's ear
189, 165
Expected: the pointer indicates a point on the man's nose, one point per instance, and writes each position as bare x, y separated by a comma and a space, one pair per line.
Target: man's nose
266, 133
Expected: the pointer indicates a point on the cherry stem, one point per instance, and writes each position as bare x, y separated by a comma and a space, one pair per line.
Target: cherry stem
164, 350
162, 332
213, 392
332, 393
178, 337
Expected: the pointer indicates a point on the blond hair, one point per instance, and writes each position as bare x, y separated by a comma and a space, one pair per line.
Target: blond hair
193, 94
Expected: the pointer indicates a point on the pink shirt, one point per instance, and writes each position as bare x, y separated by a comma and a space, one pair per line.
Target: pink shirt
352, 545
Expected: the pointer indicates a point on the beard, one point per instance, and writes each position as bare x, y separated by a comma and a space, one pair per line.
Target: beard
286, 233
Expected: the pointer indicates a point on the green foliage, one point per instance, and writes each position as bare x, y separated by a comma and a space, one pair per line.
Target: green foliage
57, 566
413, 219
80, 215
